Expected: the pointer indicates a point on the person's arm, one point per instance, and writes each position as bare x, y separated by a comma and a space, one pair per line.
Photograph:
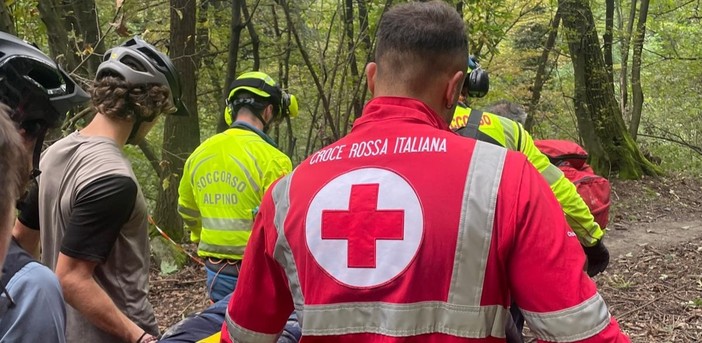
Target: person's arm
576, 211
559, 302
92, 231
276, 168
265, 294
26, 229
85, 295
187, 205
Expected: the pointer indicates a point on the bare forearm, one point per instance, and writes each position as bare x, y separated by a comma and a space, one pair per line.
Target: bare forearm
86, 296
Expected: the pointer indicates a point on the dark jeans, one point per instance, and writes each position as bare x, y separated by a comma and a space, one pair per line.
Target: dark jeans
219, 286
221, 278
209, 321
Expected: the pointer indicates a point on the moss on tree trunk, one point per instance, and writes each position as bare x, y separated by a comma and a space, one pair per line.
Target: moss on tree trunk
612, 150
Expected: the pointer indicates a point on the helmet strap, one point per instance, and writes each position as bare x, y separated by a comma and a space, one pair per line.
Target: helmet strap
137, 124
256, 108
38, 144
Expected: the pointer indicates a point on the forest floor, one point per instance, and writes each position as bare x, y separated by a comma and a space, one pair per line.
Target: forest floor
653, 285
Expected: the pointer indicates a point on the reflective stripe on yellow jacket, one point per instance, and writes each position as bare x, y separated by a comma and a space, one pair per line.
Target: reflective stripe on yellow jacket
512, 135
222, 185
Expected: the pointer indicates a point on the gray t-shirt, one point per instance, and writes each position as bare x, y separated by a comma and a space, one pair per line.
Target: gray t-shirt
68, 167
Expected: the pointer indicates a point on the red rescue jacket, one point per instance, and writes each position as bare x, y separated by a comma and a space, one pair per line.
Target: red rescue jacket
403, 231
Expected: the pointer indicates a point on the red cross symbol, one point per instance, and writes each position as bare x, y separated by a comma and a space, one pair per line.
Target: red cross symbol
362, 225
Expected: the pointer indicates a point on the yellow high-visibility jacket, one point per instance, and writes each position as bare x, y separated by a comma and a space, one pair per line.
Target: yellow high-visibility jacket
222, 186
512, 136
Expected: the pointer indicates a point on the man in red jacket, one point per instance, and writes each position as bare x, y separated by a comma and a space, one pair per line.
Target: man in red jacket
405, 232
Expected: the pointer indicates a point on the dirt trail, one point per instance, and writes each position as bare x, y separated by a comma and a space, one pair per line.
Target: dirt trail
653, 285
632, 238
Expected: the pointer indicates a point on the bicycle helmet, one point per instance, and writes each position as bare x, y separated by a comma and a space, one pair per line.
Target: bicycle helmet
38, 92
261, 85
138, 62
29, 78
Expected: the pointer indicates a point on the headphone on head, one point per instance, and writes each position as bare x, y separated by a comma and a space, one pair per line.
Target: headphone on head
264, 87
478, 81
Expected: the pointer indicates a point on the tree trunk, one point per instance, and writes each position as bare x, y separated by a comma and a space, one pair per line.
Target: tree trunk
371, 51
206, 58
623, 75
352, 40
540, 78
255, 41
181, 135
284, 78
306, 57
607, 38
363, 25
6, 23
366, 47
61, 48
209, 60
636, 90
235, 28
89, 30
611, 148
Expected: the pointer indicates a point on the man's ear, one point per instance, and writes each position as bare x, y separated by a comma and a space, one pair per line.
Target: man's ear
371, 70
453, 89
268, 114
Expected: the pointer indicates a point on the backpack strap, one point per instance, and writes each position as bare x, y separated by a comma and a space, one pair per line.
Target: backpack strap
471, 129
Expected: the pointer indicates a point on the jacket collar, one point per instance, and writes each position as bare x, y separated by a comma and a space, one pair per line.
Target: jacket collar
383, 108
246, 126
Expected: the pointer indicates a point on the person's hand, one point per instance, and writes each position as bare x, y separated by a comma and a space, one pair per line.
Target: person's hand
147, 338
597, 258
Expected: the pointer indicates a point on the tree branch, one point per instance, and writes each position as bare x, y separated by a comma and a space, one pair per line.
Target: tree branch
154, 160
110, 26
308, 62
694, 148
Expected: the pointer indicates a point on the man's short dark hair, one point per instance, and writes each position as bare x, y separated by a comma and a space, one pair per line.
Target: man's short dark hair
429, 36
508, 110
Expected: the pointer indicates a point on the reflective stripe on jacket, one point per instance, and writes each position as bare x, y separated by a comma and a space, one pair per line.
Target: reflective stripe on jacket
405, 232
222, 185
512, 136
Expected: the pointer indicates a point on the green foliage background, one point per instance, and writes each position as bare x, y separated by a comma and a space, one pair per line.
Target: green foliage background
507, 35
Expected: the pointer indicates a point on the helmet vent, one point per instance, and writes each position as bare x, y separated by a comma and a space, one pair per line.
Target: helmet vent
132, 63
45, 78
154, 57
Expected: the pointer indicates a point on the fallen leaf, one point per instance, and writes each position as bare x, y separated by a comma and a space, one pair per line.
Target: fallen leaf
121, 27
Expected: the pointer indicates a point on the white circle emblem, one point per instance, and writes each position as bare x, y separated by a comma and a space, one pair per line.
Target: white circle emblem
365, 227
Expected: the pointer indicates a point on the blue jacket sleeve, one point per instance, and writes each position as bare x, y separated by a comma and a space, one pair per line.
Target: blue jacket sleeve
39, 314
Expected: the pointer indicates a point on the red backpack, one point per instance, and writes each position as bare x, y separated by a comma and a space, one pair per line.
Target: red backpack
570, 158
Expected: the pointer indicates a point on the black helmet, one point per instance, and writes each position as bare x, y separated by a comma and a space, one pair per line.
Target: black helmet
37, 91
138, 62
34, 87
